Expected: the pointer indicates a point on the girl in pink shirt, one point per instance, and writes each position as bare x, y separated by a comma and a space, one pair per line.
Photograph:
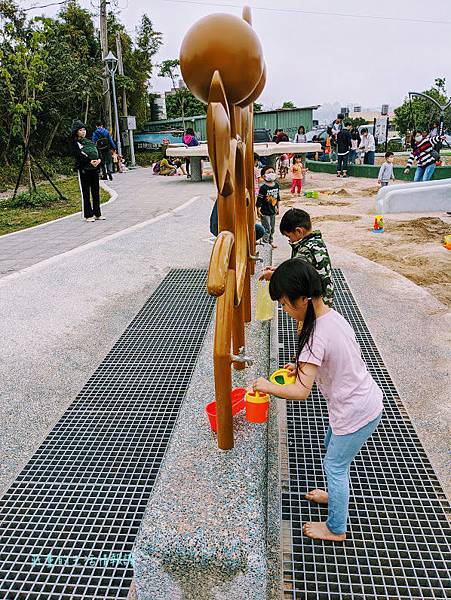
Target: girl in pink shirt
329, 354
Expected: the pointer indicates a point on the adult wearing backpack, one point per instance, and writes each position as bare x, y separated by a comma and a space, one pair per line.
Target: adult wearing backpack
105, 145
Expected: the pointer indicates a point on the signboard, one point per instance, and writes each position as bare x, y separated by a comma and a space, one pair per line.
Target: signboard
357, 109
380, 132
384, 110
128, 123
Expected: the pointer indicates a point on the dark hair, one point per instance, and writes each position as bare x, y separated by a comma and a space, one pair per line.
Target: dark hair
301, 127
190, 131
256, 156
99, 123
388, 154
329, 131
295, 279
263, 171
364, 130
293, 218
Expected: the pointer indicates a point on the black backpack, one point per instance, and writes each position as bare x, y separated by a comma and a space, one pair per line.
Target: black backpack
103, 144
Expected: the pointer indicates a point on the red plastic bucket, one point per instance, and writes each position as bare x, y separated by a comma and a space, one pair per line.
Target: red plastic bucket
237, 397
257, 407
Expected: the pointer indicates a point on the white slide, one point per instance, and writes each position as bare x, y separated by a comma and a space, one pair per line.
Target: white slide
422, 196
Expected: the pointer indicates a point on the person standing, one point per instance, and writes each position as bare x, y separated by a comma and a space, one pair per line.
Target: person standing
268, 203
106, 146
189, 139
368, 147
343, 148
355, 141
297, 171
87, 163
300, 137
425, 155
386, 170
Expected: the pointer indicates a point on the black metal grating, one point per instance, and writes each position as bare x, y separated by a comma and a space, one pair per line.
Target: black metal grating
81, 498
398, 544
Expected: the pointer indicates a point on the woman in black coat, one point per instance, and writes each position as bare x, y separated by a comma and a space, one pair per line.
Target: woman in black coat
87, 163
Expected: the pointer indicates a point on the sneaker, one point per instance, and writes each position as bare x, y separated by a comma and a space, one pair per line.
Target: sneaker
101, 218
90, 220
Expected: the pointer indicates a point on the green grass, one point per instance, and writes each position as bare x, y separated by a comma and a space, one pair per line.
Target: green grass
15, 219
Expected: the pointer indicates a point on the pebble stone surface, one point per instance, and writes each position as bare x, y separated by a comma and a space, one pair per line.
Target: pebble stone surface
204, 531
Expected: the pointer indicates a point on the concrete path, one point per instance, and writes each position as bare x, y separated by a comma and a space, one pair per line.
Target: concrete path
140, 197
62, 315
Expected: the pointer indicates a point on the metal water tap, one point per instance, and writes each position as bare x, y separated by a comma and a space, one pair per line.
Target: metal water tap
242, 358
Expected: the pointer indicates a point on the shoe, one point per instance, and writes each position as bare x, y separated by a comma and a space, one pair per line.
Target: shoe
110, 177
104, 178
338, 174
90, 220
101, 218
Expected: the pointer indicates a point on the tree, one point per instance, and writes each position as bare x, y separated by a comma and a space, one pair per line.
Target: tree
23, 68
258, 107
288, 104
357, 121
419, 113
182, 104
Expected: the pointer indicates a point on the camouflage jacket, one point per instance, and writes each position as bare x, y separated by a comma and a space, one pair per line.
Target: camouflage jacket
313, 249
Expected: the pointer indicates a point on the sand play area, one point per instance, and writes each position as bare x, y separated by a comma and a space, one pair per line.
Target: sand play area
411, 244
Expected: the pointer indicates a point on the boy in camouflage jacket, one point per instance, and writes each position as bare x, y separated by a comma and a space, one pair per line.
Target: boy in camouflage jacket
307, 245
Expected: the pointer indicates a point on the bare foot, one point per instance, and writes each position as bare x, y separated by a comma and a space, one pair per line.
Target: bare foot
320, 531
318, 496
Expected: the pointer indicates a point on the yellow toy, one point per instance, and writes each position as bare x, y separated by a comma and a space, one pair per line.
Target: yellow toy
378, 226
281, 377
447, 242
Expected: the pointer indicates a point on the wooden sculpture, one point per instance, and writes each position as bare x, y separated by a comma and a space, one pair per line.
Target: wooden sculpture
221, 60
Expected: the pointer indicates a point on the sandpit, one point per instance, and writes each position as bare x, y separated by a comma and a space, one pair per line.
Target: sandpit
411, 244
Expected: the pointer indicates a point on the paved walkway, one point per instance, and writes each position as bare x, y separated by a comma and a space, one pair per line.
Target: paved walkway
141, 196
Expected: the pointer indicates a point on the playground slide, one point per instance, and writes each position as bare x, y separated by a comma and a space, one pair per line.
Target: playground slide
423, 196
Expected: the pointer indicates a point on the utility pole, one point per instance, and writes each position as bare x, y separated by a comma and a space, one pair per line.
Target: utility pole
120, 68
106, 77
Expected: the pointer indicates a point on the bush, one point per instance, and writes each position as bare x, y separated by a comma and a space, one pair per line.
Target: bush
54, 167
35, 199
392, 146
146, 159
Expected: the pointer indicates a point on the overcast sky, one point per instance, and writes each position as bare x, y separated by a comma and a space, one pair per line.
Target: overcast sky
315, 58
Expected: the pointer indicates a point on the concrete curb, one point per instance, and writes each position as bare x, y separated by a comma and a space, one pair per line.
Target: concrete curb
113, 197
205, 528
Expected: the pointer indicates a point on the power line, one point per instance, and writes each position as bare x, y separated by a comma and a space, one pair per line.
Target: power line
43, 6
312, 12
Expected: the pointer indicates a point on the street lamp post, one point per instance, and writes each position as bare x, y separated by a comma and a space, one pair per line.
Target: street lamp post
111, 63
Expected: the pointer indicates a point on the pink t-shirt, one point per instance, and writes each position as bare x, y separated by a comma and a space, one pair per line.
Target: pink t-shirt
353, 397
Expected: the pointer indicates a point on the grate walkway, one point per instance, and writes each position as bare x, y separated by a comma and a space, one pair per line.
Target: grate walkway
69, 521
398, 545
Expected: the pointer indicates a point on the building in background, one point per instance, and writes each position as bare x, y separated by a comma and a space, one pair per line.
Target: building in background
288, 119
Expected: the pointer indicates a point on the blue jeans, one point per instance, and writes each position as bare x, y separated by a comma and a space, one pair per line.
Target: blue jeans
424, 173
341, 451
368, 159
352, 157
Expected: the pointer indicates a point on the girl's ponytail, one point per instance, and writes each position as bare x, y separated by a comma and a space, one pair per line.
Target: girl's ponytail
307, 331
